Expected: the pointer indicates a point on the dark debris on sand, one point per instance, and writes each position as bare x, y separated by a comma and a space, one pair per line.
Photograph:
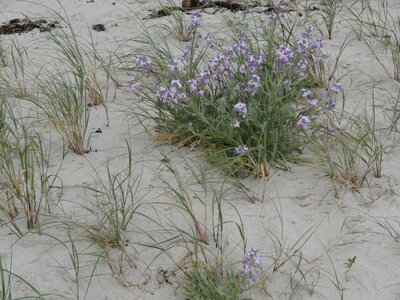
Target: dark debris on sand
200, 5
99, 27
25, 25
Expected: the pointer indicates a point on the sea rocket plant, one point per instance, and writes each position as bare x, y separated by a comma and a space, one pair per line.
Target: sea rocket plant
253, 99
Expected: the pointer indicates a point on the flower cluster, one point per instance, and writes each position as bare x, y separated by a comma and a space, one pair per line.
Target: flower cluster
281, 6
251, 87
304, 122
143, 64
197, 85
135, 86
313, 105
195, 20
284, 56
306, 52
209, 42
251, 263
333, 129
335, 89
242, 46
240, 150
253, 63
172, 95
311, 102
245, 87
220, 65
240, 109
186, 52
173, 68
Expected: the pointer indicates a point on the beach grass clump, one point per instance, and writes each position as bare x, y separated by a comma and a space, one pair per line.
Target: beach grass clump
117, 202
223, 283
381, 24
84, 60
67, 88
194, 230
210, 284
24, 179
207, 238
3, 55
247, 104
14, 76
347, 153
329, 12
205, 233
62, 99
178, 26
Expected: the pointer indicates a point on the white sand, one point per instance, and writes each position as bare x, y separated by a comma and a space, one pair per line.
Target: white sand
340, 228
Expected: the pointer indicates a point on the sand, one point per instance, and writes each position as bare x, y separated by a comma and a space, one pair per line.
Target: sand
295, 204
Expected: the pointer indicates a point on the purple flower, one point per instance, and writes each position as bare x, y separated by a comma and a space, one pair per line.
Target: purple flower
312, 102
272, 16
135, 86
162, 94
221, 64
281, 6
254, 63
307, 33
209, 42
240, 109
336, 87
176, 83
257, 261
173, 67
320, 42
253, 85
304, 122
204, 76
172, 95
240, 150
334, 129
302, 64
144, 64
321, 57
305, 93
186, 51
284, 55
303, 43
242, 46
195, 20
251, 262
331, 104
193, 84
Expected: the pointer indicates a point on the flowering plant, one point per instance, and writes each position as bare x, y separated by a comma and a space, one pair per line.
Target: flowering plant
251, 264
249, 102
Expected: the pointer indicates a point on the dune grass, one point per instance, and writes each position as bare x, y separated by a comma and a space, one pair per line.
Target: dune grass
25, 181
